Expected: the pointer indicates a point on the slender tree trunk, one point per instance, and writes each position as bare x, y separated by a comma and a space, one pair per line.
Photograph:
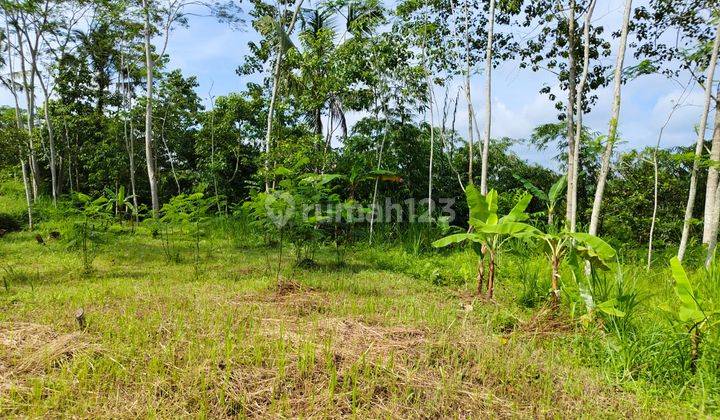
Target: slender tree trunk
488, 98
699, 145
212, 151
169, 153
712, 178
29, 87
274, 94
555, 279
431, 106
657, 173
149, 152
574, 165
51, 141
570, 110
129, 130
377, 178
480, 275
612, 132
491, 274
66, 135
714, 222
468, 94
18, 124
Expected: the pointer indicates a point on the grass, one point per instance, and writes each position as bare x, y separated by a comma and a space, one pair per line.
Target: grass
386, 335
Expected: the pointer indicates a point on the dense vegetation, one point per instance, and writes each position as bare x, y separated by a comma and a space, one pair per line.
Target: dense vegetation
326, 242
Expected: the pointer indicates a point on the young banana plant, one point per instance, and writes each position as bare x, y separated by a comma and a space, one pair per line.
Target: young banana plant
550, 199
693, 314
489, 231
589, 247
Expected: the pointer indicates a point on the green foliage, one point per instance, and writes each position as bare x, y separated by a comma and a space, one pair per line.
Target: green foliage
92, 218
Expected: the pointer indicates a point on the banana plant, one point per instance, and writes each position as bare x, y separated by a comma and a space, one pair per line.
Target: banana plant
119, 200
693, 314
589, 247
489, 231
550, 199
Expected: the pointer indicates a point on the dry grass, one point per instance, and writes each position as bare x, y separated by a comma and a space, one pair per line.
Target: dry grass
370, 344
34, 349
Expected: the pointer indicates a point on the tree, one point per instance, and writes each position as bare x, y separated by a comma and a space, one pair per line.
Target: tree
612, 132
557, 37
693, 30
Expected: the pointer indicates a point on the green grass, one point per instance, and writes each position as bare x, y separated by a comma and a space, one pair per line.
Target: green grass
386, 335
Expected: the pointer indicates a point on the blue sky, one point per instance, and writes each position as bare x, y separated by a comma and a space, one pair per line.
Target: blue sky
212, 51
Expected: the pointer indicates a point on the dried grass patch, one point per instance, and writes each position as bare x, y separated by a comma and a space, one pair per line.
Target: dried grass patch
34, 349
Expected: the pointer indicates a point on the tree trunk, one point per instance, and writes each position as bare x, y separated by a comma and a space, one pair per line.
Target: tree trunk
712, 178
699, 145
491, 275
18, 124
129, 131
714, 222
480, 275
574, 164
274, 94
51, 141
29, 87
468, 95
555, 280
149, 152
431, 106
675, 107
488, 99
612, 132
377, 178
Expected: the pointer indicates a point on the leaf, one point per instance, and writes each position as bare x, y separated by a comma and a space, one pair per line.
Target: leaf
537, 192
514, 229
557, 189
689, 308
603, 250
456, 238
476, 203
492, 201
610, 307
320, 179
517, 214
282, 171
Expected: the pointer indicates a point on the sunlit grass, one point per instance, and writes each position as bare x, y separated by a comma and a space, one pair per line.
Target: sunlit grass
384, 335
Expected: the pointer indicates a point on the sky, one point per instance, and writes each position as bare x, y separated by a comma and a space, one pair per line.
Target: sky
212, 51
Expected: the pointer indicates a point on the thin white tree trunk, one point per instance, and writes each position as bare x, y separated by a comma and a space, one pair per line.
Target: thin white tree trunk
488, 98
29, 87
712, 178
574, 164
51, 141
656, 175
377, 177
274, 94
569, 111
468, 95
149, 152
431, 106
18, 124
712, 243
699, 145
612, 132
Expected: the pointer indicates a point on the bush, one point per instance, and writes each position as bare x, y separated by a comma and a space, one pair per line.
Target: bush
10, 222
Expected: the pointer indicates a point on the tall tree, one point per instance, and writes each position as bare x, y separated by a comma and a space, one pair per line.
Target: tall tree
558, 35
488, 97
575, 144
612, 131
